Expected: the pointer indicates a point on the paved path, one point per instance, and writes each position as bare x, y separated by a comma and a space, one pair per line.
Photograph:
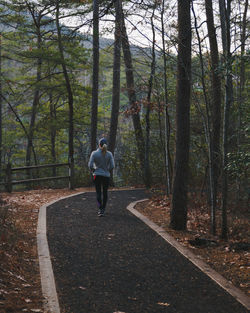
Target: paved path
117, 263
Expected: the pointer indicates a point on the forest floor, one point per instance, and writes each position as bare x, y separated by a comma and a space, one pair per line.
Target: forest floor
20, 287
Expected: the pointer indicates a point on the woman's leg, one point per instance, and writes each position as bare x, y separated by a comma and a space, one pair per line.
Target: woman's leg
105, 185
98, 188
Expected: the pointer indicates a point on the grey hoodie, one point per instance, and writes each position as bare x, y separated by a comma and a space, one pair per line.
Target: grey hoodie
101, 163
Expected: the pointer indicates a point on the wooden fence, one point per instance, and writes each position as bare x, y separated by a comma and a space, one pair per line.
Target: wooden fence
9, 182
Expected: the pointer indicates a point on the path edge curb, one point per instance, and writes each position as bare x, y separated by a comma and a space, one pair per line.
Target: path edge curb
51, 303
204, 267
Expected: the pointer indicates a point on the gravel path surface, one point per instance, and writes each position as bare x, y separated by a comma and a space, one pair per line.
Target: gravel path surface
118, 264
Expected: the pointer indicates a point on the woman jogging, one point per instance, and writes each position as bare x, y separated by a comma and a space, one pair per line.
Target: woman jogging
101, 162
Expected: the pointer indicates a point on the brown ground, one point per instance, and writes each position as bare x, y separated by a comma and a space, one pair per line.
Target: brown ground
20, 289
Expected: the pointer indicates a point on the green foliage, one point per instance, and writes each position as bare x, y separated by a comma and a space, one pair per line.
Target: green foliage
238, 164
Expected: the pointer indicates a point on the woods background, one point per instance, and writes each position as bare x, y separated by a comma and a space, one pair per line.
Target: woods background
172, 100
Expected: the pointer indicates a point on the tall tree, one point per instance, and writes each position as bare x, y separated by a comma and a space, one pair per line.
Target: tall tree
134, 108
36, 16
148, 103
166, 118
95, 74
225, 12
242, 83
216, 95
180, 178
116, 78
1, 107
70, 94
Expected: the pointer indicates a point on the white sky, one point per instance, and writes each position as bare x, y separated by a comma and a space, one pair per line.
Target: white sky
139, 28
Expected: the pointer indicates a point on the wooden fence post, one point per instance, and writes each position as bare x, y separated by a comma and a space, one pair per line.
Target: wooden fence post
8, 185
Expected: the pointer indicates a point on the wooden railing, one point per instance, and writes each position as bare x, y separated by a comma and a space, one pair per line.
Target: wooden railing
9, 182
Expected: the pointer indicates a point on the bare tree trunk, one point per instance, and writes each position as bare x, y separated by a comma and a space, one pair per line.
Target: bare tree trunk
116, 79
52, 133
148, 109
132, 94
36, 99
70, 95
216, 96
95, 73
207, 127
1, 108
35, 103
225, 11
208, 134
166, 119
180, 179
241, 89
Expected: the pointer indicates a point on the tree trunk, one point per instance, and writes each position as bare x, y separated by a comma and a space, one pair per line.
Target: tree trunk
70, 95
1, 108
208, 133
226, 39
95, 79
216, 96
241, 91
52, 132
116, 79
148, 109
166, 115
35, 103
132, 95
180, 179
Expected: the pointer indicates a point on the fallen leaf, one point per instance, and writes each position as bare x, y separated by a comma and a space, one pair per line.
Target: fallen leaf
163, 303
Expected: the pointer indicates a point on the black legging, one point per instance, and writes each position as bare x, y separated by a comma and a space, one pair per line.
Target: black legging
101, 183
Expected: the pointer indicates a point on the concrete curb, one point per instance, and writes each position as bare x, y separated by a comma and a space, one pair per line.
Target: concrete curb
220, 280
51, 303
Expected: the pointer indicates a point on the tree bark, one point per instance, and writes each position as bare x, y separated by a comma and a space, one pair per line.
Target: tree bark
241, 91
132, 95
52, 132
116, 79
70, 96
180, 179
95, 78
166, 117
1, 108
216, 95
35, 103
226, 39
148, 108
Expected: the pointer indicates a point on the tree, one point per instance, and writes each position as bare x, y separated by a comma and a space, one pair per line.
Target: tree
35, 104
225, 11
134, 108
180, 178
95, 74
1, 107
116, 78
166, 118
241, 89
148, 106
208, 130
216, 101
70, 95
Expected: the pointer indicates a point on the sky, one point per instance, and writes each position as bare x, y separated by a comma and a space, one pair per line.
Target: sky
141, 20
139, 27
